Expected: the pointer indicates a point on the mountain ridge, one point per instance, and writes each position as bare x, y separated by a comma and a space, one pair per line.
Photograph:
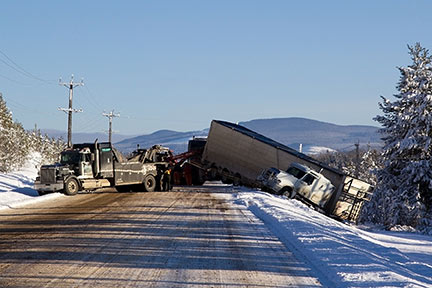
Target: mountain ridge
295, 130
291, 131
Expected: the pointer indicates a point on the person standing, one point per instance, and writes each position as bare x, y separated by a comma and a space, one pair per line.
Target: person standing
166, 180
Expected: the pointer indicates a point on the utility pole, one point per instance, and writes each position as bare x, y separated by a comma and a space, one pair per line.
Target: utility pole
71, 85
110, 116
357, 145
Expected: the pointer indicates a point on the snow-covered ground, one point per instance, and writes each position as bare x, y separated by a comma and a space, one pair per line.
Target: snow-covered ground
341, 255
17, 188
315, 150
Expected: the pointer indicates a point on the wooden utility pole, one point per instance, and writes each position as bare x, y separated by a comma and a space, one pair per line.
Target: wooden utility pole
71, 85
110, 116
357, 168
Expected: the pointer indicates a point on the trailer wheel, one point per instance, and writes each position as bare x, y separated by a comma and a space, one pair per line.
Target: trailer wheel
225, 177
71, 186
149, 183
237, 180
213, 173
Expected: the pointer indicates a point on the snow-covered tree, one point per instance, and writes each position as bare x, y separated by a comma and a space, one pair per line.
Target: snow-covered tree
403, 195
361, 164
16, 144
49, 148
370, 163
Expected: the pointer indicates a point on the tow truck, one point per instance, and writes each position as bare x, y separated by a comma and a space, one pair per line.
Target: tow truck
90, 166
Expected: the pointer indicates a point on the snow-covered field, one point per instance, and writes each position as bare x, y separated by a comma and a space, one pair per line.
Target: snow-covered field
341, 255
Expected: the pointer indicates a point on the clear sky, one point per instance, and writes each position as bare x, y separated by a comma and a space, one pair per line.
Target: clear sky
179, 64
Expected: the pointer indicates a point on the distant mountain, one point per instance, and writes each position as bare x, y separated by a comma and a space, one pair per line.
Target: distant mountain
177, 141
315, 136
295, 131
84, 137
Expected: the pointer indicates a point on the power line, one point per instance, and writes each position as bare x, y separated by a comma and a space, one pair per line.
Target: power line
14, 81
21, 70
22, 107
89, 124
91, 99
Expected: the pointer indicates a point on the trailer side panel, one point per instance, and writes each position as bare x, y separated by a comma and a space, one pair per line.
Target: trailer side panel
247, 153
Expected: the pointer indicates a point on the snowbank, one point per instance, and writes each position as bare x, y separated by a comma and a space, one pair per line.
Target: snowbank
16, 188
339, 254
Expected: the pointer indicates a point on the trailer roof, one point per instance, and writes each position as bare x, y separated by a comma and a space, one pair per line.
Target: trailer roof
277, 145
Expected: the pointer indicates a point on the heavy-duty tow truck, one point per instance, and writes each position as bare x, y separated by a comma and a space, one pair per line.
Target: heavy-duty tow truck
90, 166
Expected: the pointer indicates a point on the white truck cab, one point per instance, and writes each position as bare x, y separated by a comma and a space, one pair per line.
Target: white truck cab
298, 180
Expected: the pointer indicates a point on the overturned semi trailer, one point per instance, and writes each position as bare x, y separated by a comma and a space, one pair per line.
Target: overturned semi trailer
240, 154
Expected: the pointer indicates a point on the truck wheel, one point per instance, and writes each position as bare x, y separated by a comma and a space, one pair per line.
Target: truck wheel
149, 183
41, 193
71, 187
288, 192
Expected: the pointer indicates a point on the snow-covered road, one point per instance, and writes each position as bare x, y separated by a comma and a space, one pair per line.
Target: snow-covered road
233, 237
185, 238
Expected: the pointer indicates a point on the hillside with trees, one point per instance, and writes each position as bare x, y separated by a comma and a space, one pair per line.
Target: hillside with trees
17, 144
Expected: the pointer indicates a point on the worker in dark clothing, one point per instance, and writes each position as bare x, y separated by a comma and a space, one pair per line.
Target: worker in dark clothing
187, 173
166, 180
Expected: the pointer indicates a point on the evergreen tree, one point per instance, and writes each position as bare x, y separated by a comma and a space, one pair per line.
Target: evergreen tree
16, 144
363, 168
371, 162
403, 195
13, 143
49, 148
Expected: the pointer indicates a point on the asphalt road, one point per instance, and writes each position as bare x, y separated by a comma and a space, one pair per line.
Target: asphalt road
185, 238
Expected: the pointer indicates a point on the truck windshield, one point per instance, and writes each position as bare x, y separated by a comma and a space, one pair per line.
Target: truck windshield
70, 158
309, 179
296, 172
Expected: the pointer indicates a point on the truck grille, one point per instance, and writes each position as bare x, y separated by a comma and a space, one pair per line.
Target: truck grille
48, 175
267, 174
270, 173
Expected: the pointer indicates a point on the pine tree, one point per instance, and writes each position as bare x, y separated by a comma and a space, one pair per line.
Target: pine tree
7, 134
403, 195
16, 144
370, 161
49, 148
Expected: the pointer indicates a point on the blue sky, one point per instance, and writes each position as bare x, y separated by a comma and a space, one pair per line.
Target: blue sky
179, 64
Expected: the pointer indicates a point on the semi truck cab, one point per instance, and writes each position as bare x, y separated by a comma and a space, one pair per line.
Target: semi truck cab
298, 180
75, 166
79, 161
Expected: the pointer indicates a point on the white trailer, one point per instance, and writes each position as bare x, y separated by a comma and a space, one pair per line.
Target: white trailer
236, 153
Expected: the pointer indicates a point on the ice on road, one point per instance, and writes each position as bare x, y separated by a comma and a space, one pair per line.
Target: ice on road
185, 238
